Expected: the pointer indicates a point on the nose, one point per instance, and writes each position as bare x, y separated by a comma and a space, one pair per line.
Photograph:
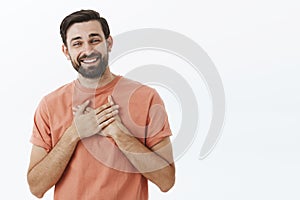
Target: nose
87, 49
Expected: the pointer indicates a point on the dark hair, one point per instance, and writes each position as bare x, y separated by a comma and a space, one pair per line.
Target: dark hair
82, 16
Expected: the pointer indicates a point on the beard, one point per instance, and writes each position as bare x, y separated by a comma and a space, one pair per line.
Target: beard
93, 71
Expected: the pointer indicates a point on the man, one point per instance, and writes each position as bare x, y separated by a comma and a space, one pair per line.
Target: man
101, 136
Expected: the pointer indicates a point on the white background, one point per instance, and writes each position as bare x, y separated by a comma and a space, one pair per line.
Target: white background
255, 46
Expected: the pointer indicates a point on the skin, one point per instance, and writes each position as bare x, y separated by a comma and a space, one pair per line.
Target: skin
104, 120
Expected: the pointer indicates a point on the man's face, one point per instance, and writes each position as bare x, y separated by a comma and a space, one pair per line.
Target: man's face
87, 48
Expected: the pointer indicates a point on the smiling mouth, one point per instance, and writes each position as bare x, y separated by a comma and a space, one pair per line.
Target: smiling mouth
89, 60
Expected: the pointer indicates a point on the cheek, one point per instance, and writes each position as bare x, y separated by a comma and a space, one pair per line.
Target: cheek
103, 49
73, 56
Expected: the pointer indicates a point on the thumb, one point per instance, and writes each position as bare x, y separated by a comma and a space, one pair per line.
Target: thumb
110, 100
82, 107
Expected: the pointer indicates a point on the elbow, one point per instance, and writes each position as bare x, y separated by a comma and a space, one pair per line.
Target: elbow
35, 191
38, 195
168, 185
34, 187
169, 181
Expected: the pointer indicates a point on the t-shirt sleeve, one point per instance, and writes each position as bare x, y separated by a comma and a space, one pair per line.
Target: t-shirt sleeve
158, 125
41, 135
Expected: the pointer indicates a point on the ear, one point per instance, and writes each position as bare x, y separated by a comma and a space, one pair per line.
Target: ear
65, 51
109, 43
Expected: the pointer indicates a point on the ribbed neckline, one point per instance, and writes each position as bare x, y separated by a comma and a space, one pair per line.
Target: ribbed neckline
99, 89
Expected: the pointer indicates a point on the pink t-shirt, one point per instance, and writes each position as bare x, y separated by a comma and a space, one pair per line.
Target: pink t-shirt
98, 169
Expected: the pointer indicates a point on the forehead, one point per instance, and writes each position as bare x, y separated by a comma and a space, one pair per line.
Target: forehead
84, 29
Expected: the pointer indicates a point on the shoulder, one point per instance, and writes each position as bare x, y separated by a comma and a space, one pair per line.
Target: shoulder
134, 88
59, 94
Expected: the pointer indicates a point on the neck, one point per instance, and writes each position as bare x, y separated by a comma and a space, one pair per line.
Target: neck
106, 77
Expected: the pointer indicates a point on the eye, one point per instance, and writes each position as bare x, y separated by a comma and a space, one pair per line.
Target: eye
76, 44
95, 41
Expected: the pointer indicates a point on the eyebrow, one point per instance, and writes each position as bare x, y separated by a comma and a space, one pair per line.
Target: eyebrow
95, 34
75, 38
90, 35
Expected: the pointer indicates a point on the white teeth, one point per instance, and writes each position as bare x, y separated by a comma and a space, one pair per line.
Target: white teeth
89, 60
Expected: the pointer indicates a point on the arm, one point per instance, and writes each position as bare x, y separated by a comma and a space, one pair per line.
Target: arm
155, 163
45, 169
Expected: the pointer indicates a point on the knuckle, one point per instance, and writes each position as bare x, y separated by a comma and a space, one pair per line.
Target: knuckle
104, 118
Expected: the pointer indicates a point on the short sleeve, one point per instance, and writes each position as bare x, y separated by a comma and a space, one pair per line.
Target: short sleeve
158, 125
41, 135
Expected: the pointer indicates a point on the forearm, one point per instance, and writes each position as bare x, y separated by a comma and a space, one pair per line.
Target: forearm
43, 175
159, 170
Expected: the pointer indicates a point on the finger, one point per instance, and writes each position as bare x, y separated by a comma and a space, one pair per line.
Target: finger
89, 109
107, 116
76, 107
86, 111
106, 123
110, 100
74, 110
82, 107
101, 108
107, 111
